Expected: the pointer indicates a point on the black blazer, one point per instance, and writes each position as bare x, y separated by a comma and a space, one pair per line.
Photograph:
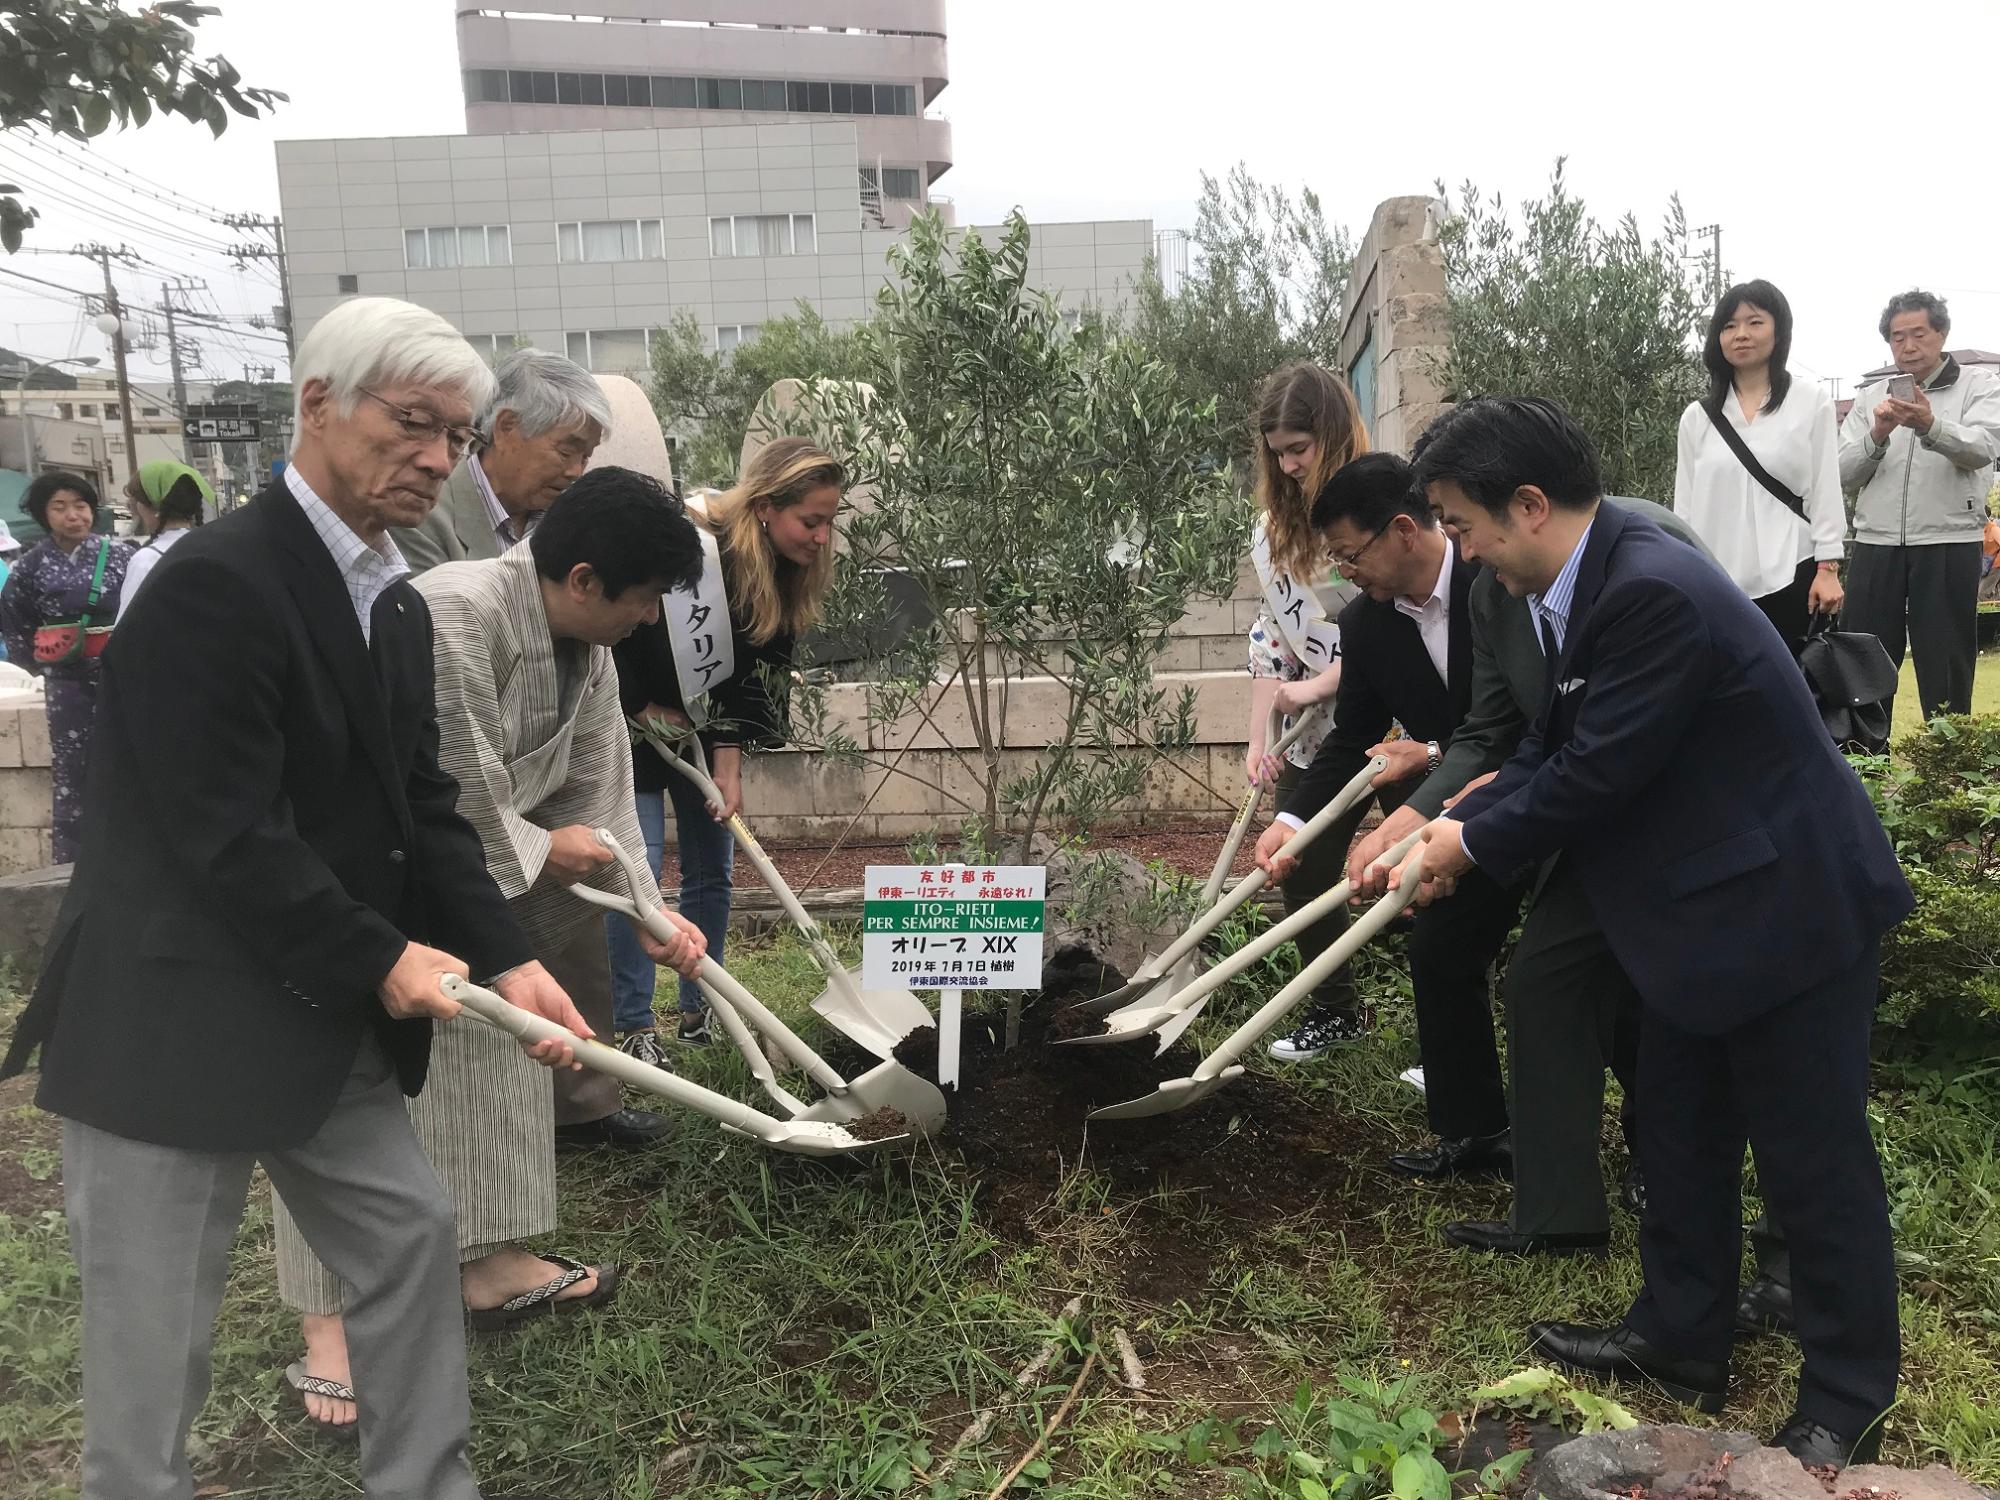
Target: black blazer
1730, 853
265, 823
1386, 676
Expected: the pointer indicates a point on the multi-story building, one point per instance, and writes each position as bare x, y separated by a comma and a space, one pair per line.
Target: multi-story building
629, 64
81, 426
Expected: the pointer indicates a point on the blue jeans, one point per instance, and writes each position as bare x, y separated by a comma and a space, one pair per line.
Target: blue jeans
708, 854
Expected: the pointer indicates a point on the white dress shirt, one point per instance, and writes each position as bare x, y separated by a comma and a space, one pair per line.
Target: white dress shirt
143, 562
366, 568
1756, 537
1433, 616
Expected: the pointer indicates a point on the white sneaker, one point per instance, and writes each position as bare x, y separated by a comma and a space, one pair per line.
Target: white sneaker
1414, 1077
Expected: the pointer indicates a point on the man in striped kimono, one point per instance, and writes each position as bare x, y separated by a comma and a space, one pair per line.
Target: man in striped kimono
532, 730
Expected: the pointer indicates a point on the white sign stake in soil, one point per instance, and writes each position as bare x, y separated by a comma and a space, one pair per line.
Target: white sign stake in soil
952, 928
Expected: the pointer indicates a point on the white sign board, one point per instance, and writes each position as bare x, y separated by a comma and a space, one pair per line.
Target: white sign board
953, 927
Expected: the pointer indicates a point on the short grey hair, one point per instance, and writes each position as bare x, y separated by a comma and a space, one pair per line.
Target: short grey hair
546, 392
370, 341
1927, 303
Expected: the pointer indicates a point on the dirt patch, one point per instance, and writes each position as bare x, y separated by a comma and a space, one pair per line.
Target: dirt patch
30, 1177
1020, 1117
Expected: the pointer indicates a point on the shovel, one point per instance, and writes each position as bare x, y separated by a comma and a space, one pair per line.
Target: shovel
876, 1019
1224, 1065
1147, 993
887, 1085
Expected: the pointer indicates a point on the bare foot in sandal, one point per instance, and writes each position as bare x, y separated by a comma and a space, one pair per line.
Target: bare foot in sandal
495, 1280
326, 1359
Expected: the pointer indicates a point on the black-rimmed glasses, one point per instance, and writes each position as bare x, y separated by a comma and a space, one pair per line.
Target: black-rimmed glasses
422, 426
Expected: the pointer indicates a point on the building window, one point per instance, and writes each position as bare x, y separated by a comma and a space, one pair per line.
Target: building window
485, 86
149, 411
347, 285
442, 248
902, 182
673, 93
763, 234
609, 351
643, 91
110, 412
86, 411
493, 346
729, 336
610, 239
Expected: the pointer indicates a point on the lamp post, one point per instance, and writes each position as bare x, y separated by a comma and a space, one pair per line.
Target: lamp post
21, 372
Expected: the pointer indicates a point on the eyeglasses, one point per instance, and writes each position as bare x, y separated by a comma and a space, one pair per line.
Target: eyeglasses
426, 427
1346, 564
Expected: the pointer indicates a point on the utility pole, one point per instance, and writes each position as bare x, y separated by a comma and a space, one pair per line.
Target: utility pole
275, 253
1714, 259
104, 255
167, 310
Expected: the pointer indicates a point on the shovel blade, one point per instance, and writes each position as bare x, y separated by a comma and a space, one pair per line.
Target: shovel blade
1174, 1094
887, 1085
880, 1018
814, 1138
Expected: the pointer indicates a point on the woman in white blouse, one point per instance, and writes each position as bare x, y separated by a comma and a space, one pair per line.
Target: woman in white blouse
1783, 552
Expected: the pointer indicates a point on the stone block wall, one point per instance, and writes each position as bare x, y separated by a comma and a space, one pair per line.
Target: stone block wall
24, 783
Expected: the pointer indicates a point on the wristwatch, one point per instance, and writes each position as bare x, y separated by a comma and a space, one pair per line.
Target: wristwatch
1433, 757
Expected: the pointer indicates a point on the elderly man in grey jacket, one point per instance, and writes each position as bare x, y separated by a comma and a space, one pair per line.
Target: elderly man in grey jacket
1920, 446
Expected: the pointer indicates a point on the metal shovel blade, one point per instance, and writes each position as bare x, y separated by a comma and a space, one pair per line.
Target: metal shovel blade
805, 1137
1139, 1018
1175, 1093
887, 1085
874, 1019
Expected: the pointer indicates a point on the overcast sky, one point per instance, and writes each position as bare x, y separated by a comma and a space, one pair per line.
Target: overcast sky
1843, 159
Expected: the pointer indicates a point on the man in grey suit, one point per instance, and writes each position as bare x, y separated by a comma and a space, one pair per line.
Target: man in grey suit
546, 419
1561, 1030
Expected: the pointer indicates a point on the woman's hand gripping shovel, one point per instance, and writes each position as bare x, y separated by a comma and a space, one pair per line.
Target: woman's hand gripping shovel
876, 1019
1224, 1064
1168, 1005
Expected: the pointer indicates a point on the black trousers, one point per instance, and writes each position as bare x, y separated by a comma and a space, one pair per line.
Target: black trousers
1322, 867
1452, 948
1787, 609
1793, 1082
1570, 1012
1932, 594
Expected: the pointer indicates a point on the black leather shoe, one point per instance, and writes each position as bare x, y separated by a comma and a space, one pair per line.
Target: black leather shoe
1493, 1235
1468, 1156
1819, 1447
1618, 1351
1764, 1306
1632, 1191
628, 1129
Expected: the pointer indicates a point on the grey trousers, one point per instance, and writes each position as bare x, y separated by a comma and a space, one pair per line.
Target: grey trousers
151, 1227
1564, 995
1937, 588
582, 966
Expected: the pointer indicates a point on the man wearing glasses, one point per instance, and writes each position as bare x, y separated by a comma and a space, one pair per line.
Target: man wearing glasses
1406, 654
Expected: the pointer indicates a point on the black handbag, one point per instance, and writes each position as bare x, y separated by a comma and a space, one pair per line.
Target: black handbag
1852, 681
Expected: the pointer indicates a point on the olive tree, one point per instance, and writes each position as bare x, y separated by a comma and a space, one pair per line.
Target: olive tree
1047, 490
1602, 321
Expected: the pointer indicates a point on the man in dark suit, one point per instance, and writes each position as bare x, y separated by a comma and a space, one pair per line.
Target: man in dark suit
1569, 1011
1406, 656
273, 882
1743, 883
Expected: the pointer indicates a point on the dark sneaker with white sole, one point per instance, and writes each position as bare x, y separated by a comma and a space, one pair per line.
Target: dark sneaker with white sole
644, 1045
693, 1030
1317, 1033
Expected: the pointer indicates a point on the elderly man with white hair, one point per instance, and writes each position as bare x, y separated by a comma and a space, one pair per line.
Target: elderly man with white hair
535, 437
274, 879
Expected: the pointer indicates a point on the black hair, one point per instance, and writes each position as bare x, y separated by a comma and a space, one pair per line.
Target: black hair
1721, 374
1927, 303
627, 527
47, 486
1369, 492
1492, 445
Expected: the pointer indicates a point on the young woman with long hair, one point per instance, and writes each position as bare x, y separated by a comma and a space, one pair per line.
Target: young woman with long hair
769, 571
1306, 424
1784, 551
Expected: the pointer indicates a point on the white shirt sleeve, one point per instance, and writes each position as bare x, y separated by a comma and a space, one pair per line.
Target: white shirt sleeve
1826, 511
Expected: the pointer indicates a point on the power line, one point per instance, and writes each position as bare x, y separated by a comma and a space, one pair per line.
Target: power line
172, 197
61, 193
24, 276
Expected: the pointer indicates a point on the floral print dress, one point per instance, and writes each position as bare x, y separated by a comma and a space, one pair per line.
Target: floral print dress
49, 587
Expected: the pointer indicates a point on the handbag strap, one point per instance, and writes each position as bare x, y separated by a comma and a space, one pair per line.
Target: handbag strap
96, 582
1726, 429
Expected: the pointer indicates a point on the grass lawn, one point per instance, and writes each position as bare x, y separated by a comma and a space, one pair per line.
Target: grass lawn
802, 1329
1985, 692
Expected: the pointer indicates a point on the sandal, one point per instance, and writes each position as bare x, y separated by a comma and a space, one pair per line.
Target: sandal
315, 1385
538, 1301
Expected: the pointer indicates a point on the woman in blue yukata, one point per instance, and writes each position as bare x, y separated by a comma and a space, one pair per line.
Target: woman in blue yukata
55, 614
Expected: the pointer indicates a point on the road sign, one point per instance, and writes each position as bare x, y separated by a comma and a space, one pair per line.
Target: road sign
953, 927
226, 422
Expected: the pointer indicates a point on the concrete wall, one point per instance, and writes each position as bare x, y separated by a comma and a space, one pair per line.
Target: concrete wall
24, 783
1395, 322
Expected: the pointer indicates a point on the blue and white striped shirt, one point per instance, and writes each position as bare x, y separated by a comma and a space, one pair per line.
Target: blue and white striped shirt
1552, 605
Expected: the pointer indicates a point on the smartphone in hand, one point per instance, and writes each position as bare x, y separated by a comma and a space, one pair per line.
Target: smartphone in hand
1902, 387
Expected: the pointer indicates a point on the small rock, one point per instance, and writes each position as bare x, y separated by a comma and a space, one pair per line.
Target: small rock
1608, 1464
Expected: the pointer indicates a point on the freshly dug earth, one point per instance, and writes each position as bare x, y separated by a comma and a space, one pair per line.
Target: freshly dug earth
1021, 1116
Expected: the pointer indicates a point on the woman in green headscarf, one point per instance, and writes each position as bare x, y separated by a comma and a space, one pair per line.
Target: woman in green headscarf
167, 498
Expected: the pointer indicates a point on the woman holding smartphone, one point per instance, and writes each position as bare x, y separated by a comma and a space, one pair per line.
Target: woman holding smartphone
1758, 476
